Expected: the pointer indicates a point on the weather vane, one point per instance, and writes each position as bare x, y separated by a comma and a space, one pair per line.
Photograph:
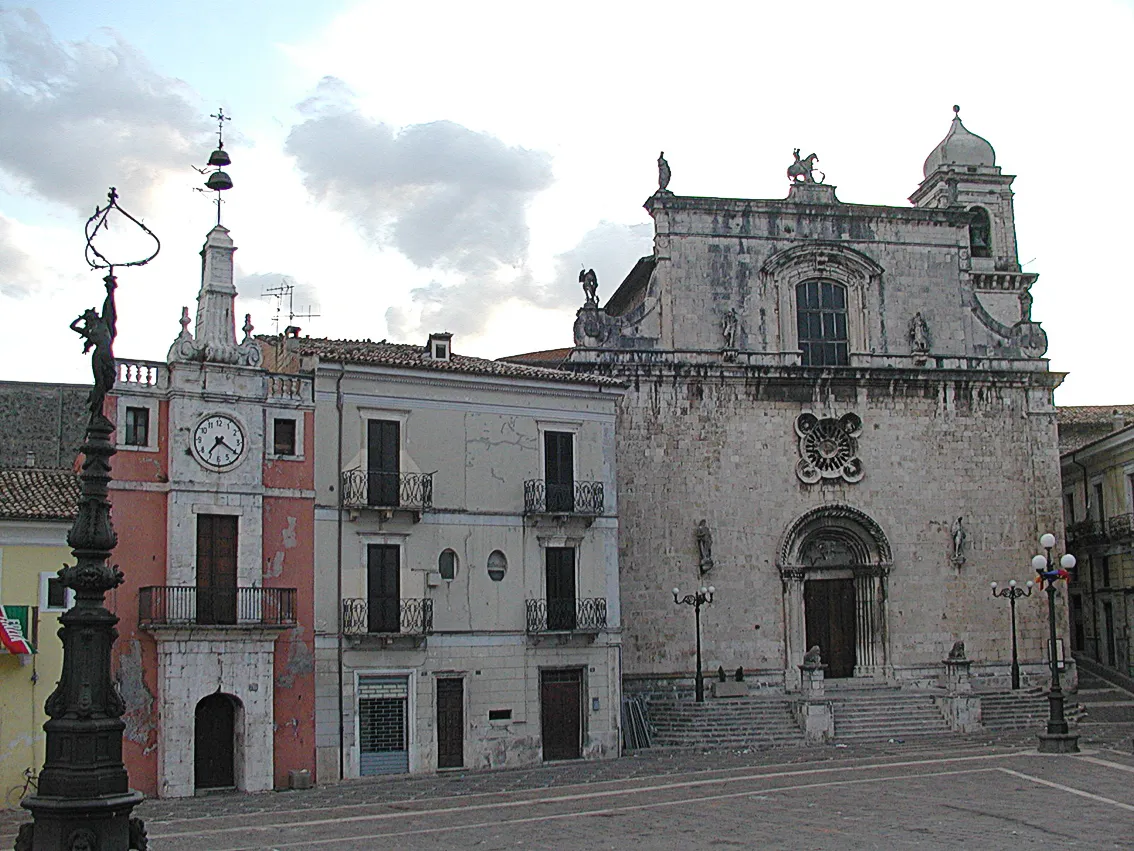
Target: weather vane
218, 180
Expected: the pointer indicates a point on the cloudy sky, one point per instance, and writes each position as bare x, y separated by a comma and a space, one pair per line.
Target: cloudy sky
413, 167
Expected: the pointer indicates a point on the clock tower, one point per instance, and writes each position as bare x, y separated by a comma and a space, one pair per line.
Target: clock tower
219, 486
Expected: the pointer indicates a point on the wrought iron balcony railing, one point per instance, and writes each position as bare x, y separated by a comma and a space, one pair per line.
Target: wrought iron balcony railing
583, 615
583, 498
387, 616
1120, 527
375, 489
186, 605
1084, 531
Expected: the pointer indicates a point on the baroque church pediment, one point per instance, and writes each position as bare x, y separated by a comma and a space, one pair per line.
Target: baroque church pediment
821, 259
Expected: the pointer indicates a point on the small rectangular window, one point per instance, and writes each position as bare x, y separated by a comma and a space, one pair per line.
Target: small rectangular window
1105, 571
53, 595
137, 427
283, 437
499, 714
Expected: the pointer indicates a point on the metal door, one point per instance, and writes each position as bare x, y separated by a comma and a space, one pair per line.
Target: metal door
450, 722
561, 713
383, 737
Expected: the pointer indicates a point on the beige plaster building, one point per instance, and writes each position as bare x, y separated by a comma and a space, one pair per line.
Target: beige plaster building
466, 540
1097, 462
855, 399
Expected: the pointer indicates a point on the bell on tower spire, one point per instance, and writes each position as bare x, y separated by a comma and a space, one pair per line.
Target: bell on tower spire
215, 327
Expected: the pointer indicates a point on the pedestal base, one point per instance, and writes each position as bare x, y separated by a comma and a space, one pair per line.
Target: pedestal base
1058, 742
102, 823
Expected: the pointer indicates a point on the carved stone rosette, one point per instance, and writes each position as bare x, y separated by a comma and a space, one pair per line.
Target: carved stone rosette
828, 448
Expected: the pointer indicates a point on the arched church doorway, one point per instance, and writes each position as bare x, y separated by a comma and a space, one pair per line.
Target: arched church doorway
834, 563
214, 743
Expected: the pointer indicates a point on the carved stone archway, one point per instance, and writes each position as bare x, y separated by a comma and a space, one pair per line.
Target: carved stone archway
836, 541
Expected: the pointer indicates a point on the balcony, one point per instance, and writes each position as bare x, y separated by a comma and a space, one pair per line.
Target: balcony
189, 606
585, 615
388, 618
1120, 527
376, 489
583, 499
1085, 532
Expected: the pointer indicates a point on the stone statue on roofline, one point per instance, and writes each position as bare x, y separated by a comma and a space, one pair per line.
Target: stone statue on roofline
589, 280
803, 169
664, 175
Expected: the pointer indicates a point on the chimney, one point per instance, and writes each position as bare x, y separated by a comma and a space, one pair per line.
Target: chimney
1117, 420
29, 458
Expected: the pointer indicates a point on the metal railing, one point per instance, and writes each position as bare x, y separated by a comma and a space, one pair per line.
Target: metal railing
584, 498
187, 605
373, 488
1120, 527
586, 614
1085, 531
387, 617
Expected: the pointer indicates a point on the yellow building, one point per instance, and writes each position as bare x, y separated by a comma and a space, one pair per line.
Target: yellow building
1097, 464
36, 510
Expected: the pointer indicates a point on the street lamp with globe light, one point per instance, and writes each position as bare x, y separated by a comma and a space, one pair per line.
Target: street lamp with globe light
1058, 737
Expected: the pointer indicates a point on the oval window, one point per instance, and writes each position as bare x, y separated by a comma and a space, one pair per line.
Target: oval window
447, 565
497, 566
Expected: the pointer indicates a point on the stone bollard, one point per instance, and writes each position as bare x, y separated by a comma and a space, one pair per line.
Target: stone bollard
813, 712
959, 705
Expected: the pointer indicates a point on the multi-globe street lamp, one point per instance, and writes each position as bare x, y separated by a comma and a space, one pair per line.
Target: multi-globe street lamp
701, 598
1058, 738
1012, 593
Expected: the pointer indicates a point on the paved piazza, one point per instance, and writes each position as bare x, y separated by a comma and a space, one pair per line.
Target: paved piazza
942, 794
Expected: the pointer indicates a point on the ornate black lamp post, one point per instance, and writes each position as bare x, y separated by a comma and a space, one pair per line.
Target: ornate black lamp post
1012, 593
703, 596
84, 799
1058, 738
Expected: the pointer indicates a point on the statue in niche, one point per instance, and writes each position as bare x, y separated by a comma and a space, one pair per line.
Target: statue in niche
919, 335
98, 333
730, 323
704, 546
589, 280
803, 170
664, 173
960, 537
957, 653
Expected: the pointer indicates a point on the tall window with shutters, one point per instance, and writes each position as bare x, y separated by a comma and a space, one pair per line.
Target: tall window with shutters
383, 462
559, 470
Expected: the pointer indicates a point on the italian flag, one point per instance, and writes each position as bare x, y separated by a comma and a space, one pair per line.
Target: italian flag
14, 624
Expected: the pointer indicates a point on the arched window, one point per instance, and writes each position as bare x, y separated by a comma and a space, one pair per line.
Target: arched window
980, 233
821, 317
497, 565
447, 565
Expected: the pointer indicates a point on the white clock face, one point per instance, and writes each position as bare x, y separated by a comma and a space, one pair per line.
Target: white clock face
218, 441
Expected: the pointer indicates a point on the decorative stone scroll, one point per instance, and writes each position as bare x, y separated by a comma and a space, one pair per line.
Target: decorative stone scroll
828, 448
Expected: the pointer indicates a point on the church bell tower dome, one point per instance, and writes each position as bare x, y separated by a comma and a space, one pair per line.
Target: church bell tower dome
959, 148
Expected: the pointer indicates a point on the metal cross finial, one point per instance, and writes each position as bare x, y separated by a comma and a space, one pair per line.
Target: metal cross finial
221, 119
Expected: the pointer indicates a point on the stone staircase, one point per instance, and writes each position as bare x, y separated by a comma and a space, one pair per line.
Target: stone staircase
760, 722
885, 713
1103, 701
1019, 710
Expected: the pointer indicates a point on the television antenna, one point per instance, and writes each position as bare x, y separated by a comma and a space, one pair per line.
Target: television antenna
281, 292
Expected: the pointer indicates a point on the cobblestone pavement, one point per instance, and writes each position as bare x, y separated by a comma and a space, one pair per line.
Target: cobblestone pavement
936, 793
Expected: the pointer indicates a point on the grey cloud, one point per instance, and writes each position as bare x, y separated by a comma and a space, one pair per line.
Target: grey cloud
16, 275
80, 117
610, 249
441, 194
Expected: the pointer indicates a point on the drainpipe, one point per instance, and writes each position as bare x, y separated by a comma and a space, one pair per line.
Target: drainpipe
339, 567
1094, 593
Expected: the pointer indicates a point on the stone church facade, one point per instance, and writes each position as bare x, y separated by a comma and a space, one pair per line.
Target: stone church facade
856, 401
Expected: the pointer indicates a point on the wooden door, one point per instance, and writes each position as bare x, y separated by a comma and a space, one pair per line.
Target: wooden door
450, 722
561, 713
214, 738
216, 568
829, 608
559, 470
560, 577
383, 462
383, 588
